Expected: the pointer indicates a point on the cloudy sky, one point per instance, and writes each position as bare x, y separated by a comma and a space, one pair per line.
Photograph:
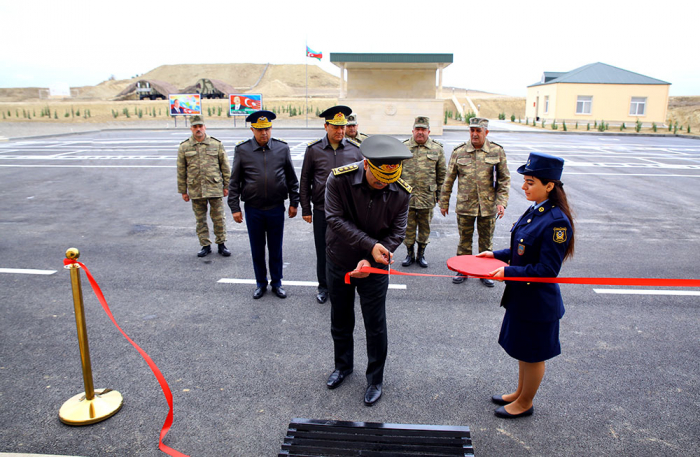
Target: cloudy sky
498, 46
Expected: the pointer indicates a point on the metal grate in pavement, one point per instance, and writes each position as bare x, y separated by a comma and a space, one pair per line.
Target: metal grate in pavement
322, 438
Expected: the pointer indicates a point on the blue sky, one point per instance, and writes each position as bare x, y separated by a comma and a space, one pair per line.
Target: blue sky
498, 46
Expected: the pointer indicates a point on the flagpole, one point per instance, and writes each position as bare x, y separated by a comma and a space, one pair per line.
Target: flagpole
306, 65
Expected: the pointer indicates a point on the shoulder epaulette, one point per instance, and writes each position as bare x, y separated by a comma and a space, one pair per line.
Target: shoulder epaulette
311, 143
496, 144
406, 140
405, 185
345, 169
351, 141
280, 140
460, 145
435, 141
185, 141
215, 139
242, 141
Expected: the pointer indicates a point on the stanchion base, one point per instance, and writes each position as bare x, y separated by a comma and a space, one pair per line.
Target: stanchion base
79, 411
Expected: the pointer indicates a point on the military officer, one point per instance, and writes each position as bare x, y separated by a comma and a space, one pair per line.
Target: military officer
351, 130
263, 177
540, 241
482, 192
366, 210
322, 155
425, 173
203, 172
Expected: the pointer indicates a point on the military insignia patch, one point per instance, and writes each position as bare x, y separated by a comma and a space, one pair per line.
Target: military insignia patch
541, 210
521, 249
559, 234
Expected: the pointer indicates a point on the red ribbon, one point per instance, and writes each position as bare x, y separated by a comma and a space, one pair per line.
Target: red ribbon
658, 282
159, 376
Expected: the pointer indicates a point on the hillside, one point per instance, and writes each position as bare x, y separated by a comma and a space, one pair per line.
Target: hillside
278, 81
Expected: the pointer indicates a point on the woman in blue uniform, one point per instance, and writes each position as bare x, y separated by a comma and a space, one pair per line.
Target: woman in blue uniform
540, 241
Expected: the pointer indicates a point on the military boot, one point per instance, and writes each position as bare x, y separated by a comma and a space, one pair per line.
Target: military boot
420, 258
410, 257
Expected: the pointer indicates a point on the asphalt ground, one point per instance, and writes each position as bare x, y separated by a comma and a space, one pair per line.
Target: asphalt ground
241, 369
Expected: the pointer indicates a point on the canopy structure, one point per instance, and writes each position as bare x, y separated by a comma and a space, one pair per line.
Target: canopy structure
148, 88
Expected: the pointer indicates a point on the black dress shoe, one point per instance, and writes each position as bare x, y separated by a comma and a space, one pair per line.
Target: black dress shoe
487, 282
223, 250
498, 399
373, 394
279, 291
501, 412
459, 278
322, 296
259, 292
336, 378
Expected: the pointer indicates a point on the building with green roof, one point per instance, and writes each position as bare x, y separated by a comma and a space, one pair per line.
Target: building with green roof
388, 91
598, 92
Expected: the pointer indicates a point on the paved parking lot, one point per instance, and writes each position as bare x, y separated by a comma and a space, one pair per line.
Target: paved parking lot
240, 370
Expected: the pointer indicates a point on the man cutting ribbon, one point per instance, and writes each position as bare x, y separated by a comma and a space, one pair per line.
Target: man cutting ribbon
366, 209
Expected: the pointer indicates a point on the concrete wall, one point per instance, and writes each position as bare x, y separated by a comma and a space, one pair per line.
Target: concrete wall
611, 102
391, 83
395, 117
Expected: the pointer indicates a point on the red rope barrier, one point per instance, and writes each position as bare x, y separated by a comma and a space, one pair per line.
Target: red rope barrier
159, 376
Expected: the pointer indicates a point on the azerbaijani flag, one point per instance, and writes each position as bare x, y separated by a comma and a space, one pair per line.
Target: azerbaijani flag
315, 55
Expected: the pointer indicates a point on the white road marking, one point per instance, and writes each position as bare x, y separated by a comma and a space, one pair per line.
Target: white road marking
292, 283
23, 271
646, 292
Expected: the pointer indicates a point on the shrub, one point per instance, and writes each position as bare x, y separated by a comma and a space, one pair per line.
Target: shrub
534, 124
219, 111
576, 125
563, 125
601, 126
67, 114
688, 131
670, 125
675, 127
512, 117
445, 117
653, 126
77, 112
140, 114
543, 122
55, 114
638, 126
588, 126
115, 113
622, 126
554, 125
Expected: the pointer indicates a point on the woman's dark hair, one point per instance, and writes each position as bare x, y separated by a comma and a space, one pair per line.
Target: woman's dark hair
558, 197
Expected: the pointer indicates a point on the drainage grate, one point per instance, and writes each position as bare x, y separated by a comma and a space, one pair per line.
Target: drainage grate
320, 438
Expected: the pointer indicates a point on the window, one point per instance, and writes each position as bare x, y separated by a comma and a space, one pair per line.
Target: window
583, 104
546, 103
638, 106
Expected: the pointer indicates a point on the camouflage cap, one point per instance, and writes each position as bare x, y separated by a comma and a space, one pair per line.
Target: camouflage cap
352, 119
422, 122
196, 120
479, 123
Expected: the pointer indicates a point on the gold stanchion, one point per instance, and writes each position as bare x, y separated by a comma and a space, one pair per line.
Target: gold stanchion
92, 405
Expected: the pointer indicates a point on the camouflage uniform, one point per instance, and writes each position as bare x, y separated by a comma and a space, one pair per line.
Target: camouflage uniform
425, 172
203, 171
359, 138
484, 183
